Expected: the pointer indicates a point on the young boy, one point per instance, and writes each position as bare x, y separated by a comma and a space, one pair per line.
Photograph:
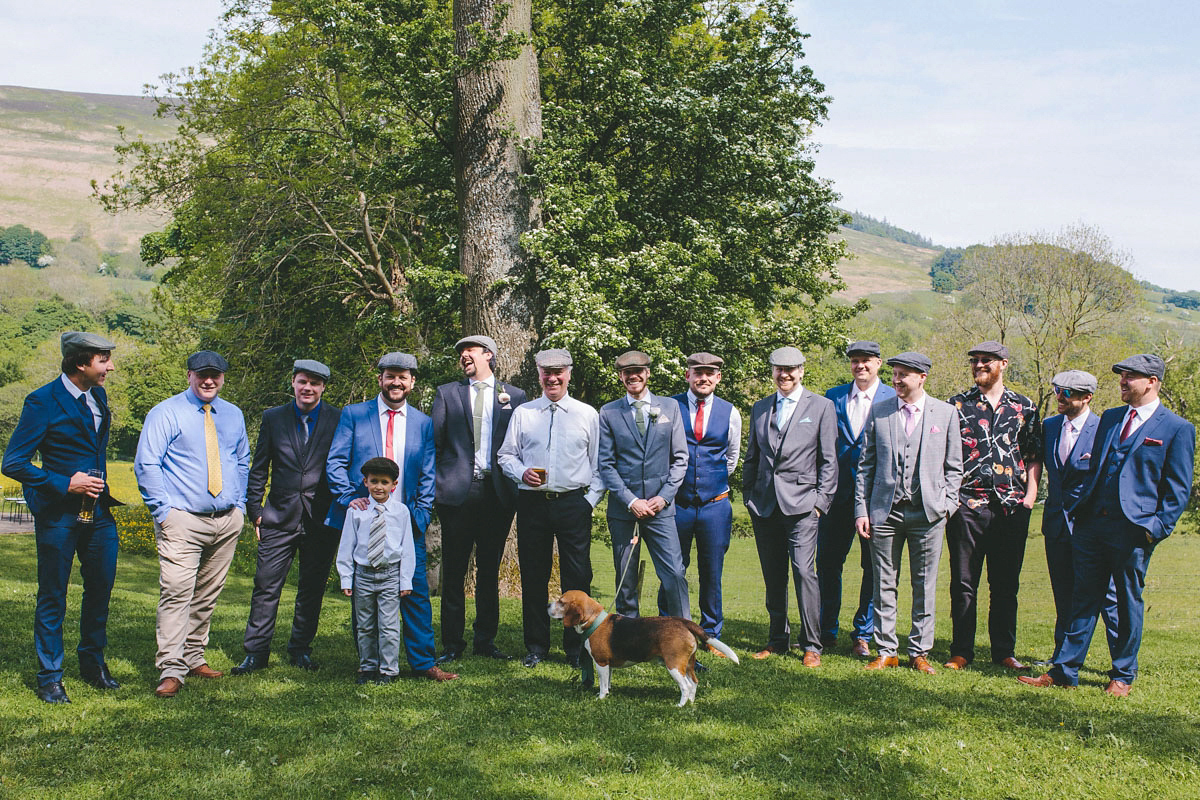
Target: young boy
376, 560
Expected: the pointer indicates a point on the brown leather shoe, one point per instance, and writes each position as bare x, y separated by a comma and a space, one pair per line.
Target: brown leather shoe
812, 659
1117, 688
438, 674
957, 662
1043, 681
883, 662
861, 648
169, 687
204, 671
1013, 664
768, 651
921, 664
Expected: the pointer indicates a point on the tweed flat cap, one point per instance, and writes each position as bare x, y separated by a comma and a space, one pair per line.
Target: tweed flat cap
397, 360
73, 342
1143, 364
207, 359
633, 359
989, 348
705, 360
556, 358
918, 362
486, 342
865, 347
315, 368
786, 357
1076, 380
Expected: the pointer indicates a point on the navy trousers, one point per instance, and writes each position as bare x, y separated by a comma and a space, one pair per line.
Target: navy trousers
1061, 563
710, 526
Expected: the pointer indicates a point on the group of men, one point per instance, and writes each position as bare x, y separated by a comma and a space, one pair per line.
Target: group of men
888, 466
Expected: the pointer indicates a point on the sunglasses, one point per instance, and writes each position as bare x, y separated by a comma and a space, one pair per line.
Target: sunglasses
1065, 393
981, 361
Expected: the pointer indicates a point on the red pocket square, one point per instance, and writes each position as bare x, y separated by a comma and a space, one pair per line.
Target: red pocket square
1152, 442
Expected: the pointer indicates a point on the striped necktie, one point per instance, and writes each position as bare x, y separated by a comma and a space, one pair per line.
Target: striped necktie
377, 541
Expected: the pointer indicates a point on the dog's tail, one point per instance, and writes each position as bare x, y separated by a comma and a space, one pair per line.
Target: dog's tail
713, 644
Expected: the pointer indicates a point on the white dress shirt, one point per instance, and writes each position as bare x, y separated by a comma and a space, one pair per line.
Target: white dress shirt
918, 415
398, 542
569, 453
483, 456
399, 436
859, 404
785, 404
734, 446
1070, 434
76, 392
1143, 413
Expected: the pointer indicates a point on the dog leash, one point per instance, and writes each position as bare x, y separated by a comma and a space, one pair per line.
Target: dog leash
633, 543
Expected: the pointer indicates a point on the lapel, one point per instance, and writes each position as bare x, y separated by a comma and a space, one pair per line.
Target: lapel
1086, 434
324, 420
291, 424
841, 405
1149, 427
896, 430
468, 413
373, 411
498, 430
71, 409
627, 413
798, 411
105, 413
1054, 428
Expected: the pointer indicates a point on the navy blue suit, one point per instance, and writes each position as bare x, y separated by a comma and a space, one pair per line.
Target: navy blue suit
54, 424
357, 439
1064, 484
1135, 496
835, 530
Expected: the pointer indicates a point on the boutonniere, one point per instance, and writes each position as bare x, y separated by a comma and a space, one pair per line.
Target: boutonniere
1152, 442
654, 411
503, 398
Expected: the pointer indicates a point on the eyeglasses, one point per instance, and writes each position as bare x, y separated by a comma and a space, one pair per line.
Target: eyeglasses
981, 360
1063, 393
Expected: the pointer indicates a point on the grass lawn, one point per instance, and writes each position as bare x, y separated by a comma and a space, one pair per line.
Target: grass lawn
760, 730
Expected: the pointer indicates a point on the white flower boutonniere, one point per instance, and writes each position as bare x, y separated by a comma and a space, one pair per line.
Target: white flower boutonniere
654, 412
503, 398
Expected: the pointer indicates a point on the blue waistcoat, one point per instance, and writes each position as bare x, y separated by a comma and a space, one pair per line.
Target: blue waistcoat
708, 470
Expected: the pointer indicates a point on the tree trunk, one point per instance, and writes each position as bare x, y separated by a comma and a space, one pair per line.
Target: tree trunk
498, 108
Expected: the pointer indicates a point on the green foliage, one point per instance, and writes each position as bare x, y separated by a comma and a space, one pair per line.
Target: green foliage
881, 227
1187, 300
48, 318
18, 242
946, 271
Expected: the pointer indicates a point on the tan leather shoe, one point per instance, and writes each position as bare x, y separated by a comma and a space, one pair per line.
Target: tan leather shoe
1013, 664
812, 659
169, 687
204, 671
883, 662
438, 674
957, 662
1043, 681
768, 651
921, 664
861, 648
1117, 688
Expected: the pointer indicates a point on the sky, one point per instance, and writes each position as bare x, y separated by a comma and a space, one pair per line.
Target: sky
963, 121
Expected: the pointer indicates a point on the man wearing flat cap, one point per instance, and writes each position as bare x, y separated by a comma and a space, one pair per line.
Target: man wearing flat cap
1138, 489
293, 445
789, 480
67, 422
387, 425
643, 460
703, 511
475, 500
906, 487
1067, 440
1002, 463
836, 533
550, 450
192, 463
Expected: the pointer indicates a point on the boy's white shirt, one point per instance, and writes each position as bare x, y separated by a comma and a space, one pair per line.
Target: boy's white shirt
356, 531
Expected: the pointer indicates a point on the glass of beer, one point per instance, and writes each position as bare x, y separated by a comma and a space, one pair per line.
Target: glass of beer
87, 510
541, 473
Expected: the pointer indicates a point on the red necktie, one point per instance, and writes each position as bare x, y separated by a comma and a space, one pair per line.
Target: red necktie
1128, 425
387, 440
698, 425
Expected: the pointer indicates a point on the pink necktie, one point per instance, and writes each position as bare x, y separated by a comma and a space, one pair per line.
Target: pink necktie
911, 422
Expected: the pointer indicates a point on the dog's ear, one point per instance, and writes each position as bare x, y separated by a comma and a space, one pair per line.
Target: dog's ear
571, 615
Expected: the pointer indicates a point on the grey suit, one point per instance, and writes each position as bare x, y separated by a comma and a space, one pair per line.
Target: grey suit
786, 477
636, 467
912, 512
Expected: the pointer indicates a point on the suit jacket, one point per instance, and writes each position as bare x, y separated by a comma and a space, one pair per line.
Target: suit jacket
635, 467
357, 438
1065, 482
849, 446
881, 468
454, 440
299, 487
800, 472
1156, 477
52, 423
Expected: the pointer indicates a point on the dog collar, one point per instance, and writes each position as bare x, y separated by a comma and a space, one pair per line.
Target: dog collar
595, 624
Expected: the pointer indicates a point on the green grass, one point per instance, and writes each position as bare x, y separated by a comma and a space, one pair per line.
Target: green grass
762, 729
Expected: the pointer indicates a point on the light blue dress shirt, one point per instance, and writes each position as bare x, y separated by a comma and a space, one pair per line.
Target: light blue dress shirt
172, 463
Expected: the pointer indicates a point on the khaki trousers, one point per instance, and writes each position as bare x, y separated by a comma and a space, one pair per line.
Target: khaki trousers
194, 553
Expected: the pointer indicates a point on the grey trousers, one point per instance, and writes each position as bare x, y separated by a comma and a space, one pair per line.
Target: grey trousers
906, 524
377, 618
662, 541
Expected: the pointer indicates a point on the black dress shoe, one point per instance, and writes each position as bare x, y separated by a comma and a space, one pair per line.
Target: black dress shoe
493, 652
700, 668
249, 664
304, 661
573, 660
53, 693
98, 676
366, 677
384, 680
532, 659
448, 656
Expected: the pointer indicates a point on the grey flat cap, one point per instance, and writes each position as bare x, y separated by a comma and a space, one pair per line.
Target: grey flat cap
207, 359
314, 368
633, 359
553, 359
1076, 380
73, 342
786, 357
705, 360
397, 361
1143, 364
865, 347
486, 342
918, 362
989, 348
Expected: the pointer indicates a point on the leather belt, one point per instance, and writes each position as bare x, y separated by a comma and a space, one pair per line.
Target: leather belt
557, 495
211, 514
722, 496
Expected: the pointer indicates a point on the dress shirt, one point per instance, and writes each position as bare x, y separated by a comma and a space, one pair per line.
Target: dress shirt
483, 456
172, 463
859, 404
920, 413
785, 404
312, 420
1143, 413
398, 542
570, 455
1070, 434
399, 436
733, 448
93, 406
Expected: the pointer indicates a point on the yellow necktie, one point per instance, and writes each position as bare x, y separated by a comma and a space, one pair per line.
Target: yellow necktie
210, 449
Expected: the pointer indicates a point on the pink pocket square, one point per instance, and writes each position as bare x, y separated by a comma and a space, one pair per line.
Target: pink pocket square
1085, 456
1152, 442
935, 429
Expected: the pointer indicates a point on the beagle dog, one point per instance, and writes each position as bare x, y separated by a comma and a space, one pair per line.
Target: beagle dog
616, 641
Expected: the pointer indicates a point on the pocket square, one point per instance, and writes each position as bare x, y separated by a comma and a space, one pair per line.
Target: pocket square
1152, 442
806, 419
1085, 456
935, 429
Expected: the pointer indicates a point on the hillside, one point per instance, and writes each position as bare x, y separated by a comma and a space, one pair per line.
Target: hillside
882, 265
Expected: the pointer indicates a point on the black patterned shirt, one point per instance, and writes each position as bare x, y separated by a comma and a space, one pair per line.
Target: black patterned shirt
998, 446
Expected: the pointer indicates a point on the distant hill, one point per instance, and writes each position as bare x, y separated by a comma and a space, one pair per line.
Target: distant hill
881, 227
882, 265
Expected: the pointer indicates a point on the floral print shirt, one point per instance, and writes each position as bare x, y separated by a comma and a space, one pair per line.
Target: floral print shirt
998, 445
